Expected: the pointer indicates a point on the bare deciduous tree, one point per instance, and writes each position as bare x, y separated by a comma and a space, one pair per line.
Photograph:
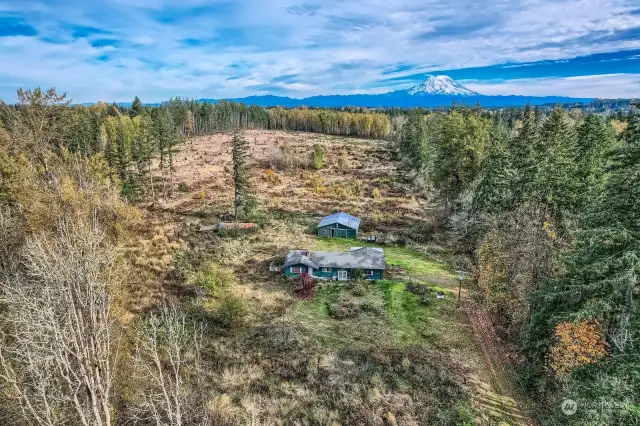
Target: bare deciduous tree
38, 121
168, 357
56, 357
11, 238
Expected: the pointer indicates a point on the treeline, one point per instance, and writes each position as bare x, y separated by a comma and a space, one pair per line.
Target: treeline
196, 118
131, 137
547, 205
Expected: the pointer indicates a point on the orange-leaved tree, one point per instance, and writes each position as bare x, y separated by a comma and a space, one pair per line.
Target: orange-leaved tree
577, 343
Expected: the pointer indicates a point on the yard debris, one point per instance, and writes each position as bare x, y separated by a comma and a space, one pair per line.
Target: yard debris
237, 225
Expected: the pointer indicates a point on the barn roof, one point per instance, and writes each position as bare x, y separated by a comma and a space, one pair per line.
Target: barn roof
356, 258
342, 218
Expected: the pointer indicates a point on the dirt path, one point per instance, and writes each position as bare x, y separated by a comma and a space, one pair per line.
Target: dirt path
504, 402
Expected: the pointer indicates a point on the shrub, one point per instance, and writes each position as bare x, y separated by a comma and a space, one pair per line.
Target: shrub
339, 189
314, 181
343, 309
356, 187
232, 309
271, 177
375, 193
213, 278
182, 265
343, 159
183, 187
284, 159
359, 288
357, 274
304, 286
422, 291
317, 157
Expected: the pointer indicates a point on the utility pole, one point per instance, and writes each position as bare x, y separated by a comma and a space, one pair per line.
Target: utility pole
460, 278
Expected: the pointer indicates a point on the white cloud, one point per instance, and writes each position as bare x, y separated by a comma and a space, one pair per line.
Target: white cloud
314, 42
592, 86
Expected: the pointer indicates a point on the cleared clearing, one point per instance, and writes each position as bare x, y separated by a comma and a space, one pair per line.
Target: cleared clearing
366, 354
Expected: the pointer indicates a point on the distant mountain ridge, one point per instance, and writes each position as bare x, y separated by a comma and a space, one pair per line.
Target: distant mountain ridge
435, 91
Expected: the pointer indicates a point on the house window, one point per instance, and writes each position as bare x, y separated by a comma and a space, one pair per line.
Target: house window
298, 269
342, 275
325, 269
369, 272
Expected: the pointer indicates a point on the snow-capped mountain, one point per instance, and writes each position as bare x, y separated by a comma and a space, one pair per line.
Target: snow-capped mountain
440, 85
435, 91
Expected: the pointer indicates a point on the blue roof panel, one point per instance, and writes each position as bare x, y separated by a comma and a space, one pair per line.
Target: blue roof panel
342, 218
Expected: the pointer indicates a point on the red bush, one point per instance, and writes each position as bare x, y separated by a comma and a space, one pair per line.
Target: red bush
304, 286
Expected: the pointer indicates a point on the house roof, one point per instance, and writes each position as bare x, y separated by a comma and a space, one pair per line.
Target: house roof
342, 218
357, 258
299, 257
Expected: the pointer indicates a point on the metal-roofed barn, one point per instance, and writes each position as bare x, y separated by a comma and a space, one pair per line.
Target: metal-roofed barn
339, 225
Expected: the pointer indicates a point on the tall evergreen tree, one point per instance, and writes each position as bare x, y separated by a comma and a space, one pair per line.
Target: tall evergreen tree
494, 191
595, 138
522, 150
460, 151
136, 107
555, 181
242, 199
166, 138
413, 140
144, 147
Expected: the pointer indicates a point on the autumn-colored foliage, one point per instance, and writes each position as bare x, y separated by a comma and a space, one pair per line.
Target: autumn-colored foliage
271, 177
304, 286
577, 343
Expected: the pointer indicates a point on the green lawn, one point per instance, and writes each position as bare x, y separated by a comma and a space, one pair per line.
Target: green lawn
417, 265
389, 315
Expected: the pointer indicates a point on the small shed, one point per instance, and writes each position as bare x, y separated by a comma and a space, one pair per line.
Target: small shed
339, 225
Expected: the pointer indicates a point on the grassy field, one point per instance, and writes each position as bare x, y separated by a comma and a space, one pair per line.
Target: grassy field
366, 353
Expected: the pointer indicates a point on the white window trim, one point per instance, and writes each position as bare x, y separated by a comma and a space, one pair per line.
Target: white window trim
325, 269
342, 273
299, 270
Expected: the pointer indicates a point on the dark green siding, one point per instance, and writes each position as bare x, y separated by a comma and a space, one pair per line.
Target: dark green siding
377, 275
317, 273
339, 231
288, 272
326, 275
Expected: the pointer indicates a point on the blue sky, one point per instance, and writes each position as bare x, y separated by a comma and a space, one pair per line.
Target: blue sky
112, 50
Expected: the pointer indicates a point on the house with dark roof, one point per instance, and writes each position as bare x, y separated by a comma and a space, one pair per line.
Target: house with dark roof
339, 225
331, 265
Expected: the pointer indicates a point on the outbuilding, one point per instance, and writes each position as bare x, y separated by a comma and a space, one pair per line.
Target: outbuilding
339, 225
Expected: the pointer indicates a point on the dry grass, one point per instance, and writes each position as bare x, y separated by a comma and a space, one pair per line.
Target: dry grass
352, 169
290, 362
